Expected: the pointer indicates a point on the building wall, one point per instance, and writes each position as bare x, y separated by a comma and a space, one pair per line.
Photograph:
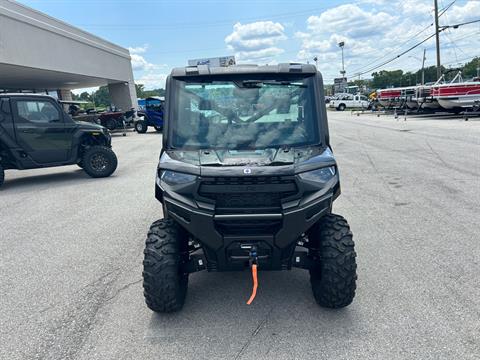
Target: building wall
32, 39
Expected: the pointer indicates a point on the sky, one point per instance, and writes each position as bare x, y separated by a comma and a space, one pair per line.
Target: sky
162, 35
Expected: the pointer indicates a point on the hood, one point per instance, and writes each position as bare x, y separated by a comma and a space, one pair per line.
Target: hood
290, 160
89, 126
264, 157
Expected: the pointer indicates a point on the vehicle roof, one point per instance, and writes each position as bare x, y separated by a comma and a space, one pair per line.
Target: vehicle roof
205, 70
79, 102
26, 94
161, 98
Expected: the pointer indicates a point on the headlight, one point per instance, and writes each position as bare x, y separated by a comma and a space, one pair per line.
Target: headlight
320, 175
176, 178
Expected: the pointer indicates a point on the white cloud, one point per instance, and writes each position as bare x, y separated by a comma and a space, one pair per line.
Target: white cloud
375, 31
413, 7
263, 54
152, 80
140, 64
256, 41
138, 49
458, 14
151, 75
350, 21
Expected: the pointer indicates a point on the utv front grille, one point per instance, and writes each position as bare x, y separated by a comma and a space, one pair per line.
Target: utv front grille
248, 227
247, 194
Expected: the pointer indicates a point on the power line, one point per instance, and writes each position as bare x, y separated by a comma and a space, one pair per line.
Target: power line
409, 40
415, 46
204, 23
357, 72
462, 60
456, 26
395, 48
395, 58
444, 10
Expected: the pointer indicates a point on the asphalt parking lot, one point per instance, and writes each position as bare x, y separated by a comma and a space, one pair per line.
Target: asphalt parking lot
71, 260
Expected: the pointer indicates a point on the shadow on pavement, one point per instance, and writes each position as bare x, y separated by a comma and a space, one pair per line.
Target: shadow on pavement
216, 306
70, 177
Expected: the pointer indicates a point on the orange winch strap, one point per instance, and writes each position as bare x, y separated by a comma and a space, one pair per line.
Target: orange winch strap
255, 284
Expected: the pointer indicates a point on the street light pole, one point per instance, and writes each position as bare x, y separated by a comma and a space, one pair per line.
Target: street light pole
342, 45
344, 80
343, 63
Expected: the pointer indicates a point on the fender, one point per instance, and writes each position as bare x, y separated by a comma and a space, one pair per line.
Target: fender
86, 138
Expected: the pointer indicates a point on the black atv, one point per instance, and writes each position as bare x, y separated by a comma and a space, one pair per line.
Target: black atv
247, 179
35, 132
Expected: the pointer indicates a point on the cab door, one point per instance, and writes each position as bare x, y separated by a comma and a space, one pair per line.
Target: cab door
40, 129
356, 101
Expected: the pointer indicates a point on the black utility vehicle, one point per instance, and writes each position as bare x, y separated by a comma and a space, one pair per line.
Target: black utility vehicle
35, 132
247, 178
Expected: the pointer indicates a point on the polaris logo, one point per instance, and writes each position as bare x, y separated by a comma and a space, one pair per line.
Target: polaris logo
247, 171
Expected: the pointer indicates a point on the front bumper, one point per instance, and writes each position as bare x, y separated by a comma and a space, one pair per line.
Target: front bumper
226, 251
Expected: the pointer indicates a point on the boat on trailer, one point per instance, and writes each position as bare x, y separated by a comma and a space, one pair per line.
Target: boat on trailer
408, 97
398, 97
457, 94
388, 97
424, 98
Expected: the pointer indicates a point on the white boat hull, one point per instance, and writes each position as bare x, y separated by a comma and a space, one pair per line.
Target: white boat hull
428, 104
464, 101
412, 105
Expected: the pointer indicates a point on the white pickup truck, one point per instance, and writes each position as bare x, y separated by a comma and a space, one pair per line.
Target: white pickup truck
344, 101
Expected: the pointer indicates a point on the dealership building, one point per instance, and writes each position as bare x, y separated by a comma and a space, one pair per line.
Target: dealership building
39, 53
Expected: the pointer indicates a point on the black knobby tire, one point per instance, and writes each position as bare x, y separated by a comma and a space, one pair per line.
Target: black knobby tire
141, 127
164, 280
110, 124
2, 175
334, 278
158, 128
99, 161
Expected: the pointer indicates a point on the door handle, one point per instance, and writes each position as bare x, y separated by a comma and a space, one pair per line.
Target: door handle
27, 131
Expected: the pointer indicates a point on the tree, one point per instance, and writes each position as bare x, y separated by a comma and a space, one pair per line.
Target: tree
385, 78
142, 93
470, 68
85, 96
102, 97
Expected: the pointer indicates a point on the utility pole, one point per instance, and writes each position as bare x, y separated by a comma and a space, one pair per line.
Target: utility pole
437, 38
423, 65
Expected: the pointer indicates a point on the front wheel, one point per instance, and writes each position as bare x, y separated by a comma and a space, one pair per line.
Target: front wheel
333, 279
164, 280
2, 175
341, 107
141, 127
99, 161
111, 124
158, 128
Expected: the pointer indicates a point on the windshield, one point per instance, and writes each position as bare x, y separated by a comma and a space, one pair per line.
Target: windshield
154, 105
245, 114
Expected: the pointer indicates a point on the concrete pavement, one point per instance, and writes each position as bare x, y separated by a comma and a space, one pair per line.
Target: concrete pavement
71, 260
